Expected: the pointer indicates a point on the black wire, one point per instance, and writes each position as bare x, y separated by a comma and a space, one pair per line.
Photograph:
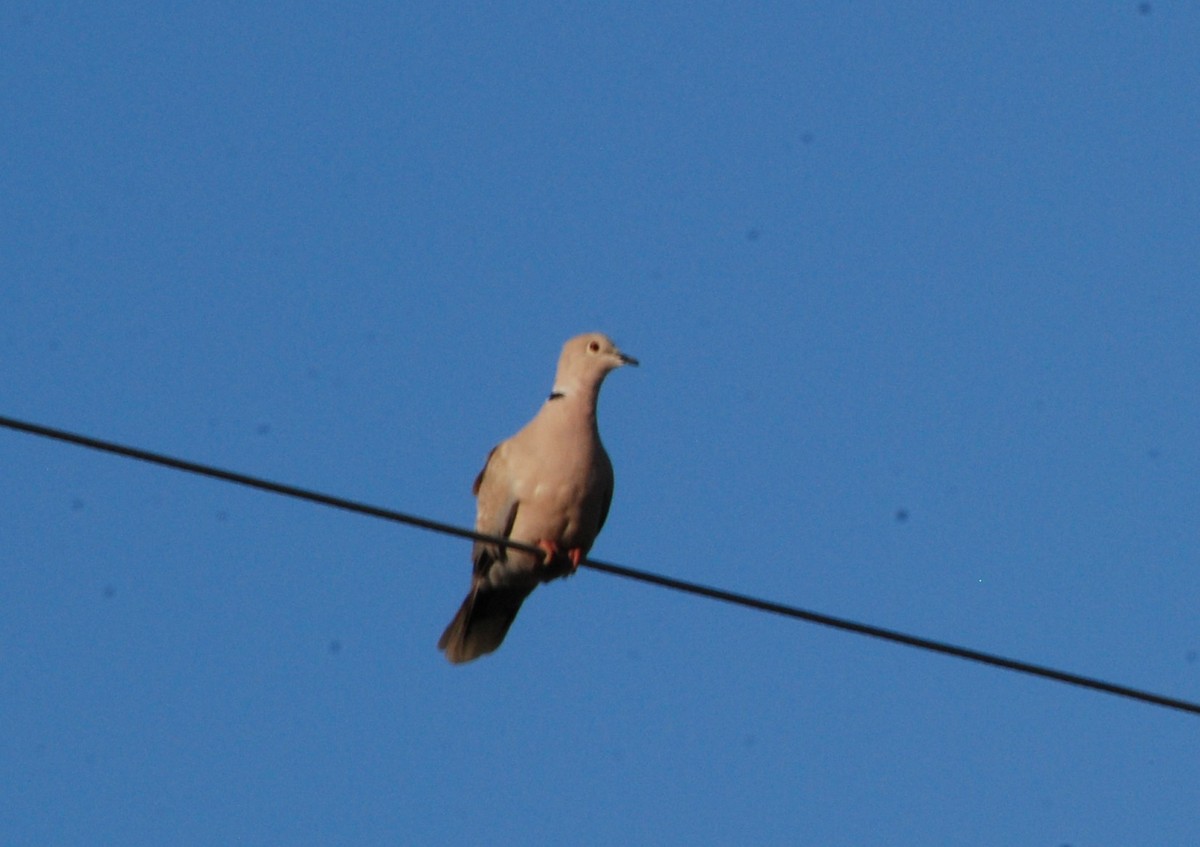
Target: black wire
617, 570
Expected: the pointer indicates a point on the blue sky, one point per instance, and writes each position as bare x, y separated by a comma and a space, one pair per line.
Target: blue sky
931, 258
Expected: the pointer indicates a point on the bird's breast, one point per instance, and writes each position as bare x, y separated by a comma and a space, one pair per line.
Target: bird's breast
555, 506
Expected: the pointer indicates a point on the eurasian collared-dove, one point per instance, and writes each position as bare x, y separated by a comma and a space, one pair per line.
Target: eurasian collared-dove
549, 485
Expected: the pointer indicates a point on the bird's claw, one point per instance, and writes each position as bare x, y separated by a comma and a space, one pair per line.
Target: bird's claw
553, 554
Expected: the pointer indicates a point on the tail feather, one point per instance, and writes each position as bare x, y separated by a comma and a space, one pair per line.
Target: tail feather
482, 622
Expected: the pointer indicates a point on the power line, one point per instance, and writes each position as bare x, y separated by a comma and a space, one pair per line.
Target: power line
617, 570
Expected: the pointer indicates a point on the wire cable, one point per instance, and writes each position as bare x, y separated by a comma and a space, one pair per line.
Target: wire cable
721, 595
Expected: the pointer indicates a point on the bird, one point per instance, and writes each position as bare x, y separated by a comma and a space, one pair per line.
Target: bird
550, 486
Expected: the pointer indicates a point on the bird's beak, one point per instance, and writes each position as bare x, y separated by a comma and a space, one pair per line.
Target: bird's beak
627, 360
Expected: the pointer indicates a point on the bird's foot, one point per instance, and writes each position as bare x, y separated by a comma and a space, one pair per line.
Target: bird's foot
564, 564
550, 548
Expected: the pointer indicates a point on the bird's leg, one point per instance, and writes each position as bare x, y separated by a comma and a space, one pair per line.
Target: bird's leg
550, 548
555, 558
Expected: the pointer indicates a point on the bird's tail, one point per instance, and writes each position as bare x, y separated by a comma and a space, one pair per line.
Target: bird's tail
482, 622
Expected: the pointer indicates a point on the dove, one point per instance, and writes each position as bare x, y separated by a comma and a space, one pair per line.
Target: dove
549, 486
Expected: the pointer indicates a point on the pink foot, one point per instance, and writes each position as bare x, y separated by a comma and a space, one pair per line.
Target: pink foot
554, 555
549, 548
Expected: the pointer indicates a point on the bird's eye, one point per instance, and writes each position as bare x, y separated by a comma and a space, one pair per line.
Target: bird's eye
594, 347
